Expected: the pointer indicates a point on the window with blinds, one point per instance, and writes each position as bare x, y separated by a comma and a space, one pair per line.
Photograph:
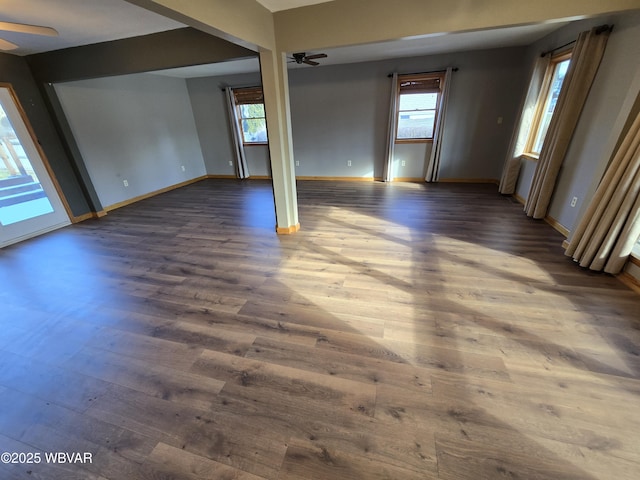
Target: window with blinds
250, 115
418, 101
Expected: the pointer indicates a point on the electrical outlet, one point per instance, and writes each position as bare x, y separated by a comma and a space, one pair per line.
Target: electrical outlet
230, 163
574, 200
182, 168
403, 163
348, 163
297, 163
125, 182
499, 120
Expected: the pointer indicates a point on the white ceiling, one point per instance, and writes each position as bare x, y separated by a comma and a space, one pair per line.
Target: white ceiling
440, 43
410, 47
83, 22
78, 22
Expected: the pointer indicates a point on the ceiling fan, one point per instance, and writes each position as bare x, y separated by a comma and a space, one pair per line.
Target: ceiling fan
302, 57
23, 28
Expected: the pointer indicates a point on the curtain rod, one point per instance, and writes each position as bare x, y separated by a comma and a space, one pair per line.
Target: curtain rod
544, 54
454, 69
599, 30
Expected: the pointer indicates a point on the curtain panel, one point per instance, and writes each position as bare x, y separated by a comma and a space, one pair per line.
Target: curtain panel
242, 169
433, 166
387, 173
585, 60
518, 143
610, 227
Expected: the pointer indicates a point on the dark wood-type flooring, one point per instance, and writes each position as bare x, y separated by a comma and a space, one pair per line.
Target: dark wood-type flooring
406, 332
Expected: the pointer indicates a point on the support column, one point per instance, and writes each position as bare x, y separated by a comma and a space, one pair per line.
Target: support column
275, 85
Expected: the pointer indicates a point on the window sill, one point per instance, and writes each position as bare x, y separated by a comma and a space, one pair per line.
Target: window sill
254, 144
414, 140
532, 157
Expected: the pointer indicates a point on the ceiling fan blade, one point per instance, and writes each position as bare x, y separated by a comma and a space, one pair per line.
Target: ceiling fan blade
317, 55
24, 28
5, 45
310, 62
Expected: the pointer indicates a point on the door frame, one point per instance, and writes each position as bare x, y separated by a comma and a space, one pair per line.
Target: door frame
43, 158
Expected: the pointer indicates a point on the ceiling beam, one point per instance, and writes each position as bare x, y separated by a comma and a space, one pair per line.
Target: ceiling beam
244, 22
356, 22
157, 51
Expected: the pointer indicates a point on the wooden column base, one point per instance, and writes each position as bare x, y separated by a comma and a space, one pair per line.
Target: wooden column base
287, 230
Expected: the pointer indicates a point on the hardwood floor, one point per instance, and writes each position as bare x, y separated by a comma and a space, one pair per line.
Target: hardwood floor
408, 331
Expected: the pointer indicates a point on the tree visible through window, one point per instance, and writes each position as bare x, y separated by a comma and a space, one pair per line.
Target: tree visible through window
547, 102
418, 100
250, 115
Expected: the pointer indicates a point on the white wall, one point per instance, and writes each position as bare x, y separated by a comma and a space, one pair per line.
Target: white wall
138, 128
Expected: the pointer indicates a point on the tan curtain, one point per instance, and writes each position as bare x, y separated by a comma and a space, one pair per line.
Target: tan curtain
387, 174
242, 168
585, 61
611, 225
433, 166
523, 126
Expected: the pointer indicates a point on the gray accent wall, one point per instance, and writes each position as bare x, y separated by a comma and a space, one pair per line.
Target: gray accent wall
209, 106
338, 115
340, 112
258, 160
484, 102
410, 160
138, 128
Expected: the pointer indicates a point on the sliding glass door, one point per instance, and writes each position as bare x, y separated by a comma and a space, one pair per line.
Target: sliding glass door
29, 202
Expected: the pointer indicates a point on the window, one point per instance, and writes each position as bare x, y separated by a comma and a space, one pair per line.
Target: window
250, 115
418, 100
547, 102
636, 249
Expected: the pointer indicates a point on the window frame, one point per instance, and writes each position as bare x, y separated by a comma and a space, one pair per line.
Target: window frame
635, 251
545, 91
249, 96
419, 77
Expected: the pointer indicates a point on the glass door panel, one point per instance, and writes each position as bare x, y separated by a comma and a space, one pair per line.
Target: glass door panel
29, 202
